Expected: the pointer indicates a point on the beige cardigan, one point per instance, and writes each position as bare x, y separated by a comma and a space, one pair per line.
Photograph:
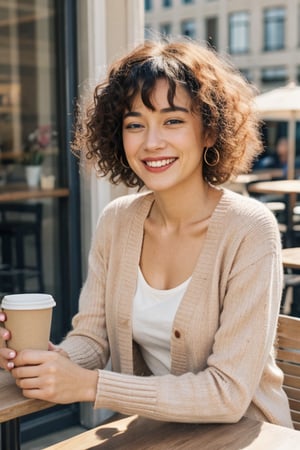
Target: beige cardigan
222, 340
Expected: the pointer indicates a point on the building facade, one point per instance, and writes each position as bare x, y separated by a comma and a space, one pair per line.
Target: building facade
262, 37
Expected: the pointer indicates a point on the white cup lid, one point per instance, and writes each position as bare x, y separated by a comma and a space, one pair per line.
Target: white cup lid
27, 301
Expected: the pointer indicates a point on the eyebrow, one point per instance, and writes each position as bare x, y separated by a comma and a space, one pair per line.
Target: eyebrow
163, 110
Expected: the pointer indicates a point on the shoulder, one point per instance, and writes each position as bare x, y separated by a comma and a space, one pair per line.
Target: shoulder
249, 216
127, 204
247, 231
124, 208
244, 208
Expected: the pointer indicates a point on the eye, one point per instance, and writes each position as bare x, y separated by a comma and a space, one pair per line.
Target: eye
174, 121
133, 126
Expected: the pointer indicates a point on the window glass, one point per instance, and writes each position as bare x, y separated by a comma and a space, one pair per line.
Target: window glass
274, 75
28, 128
166, 3
239, 32
30, 155
148, 32
165, 29
212, 31
246, 73
39, 189
148, 5
188, 28
274, 29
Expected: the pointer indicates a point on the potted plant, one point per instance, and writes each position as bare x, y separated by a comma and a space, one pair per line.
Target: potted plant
33, 154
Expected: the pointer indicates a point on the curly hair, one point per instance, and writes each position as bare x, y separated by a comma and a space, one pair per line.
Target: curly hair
218, 93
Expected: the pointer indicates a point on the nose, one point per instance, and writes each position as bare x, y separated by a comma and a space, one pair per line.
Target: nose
154, 139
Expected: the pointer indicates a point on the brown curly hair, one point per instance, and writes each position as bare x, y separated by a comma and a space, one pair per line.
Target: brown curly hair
218, 93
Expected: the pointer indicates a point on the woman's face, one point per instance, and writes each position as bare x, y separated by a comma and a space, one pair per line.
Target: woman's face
164, 147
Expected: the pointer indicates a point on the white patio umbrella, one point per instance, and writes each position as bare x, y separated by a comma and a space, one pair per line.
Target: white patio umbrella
283, 104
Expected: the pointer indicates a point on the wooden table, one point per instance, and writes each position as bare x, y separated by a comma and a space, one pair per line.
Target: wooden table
241, 182
286, 187
276, 187
13, 192
137, 433
291, 257
12, 406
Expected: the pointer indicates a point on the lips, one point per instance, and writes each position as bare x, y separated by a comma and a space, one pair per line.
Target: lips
159, 163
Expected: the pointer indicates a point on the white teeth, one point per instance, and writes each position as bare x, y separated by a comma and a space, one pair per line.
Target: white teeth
161, 163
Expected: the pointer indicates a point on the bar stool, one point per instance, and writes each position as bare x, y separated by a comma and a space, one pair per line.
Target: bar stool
291, 262
17, 222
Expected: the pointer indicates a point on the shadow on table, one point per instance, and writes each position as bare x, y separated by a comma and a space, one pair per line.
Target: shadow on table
142, 434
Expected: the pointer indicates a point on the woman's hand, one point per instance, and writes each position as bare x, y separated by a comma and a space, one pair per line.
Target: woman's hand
6, 354
52, 376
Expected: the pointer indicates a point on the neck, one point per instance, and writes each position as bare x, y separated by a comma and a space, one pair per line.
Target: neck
183, 208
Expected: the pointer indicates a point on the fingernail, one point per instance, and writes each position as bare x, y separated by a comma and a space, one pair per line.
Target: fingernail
12, 354
10, 365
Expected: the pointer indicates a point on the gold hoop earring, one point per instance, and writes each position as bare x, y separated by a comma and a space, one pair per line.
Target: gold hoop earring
213, 159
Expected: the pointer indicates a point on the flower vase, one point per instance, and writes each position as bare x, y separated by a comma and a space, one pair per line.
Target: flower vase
33, 175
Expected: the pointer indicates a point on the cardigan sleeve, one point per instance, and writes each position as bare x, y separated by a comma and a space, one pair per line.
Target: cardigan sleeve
242, 349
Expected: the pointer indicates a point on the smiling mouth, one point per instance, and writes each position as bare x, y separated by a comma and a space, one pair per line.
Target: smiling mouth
159, 163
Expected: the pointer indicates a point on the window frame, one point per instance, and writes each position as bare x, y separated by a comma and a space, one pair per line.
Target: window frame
239, 32
187, 24
274, 34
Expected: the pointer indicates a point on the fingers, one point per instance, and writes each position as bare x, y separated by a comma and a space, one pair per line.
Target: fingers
7, 356
4, 333
32, 387
32, 357
26, 377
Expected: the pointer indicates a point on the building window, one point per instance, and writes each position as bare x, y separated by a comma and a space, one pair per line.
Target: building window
166, 3
148, 5
211, 26
148, 32
187, 2
188, 28
274, 75
274, 28
246, 73
165, 29
239, 32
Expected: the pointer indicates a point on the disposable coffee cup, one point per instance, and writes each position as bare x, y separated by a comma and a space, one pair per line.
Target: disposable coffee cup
28, 320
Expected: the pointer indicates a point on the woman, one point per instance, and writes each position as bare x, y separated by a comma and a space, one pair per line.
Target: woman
185, 278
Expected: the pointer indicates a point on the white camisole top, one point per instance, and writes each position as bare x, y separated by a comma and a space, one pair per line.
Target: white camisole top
152, 318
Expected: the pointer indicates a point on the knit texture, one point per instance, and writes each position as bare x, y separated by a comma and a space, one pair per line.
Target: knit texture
222, 361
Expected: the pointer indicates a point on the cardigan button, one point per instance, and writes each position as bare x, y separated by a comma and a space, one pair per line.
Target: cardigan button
177, 334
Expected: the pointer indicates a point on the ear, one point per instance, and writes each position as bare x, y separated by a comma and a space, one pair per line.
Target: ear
210, 139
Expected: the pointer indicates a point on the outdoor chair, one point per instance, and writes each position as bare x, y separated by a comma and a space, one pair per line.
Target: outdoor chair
288, 359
